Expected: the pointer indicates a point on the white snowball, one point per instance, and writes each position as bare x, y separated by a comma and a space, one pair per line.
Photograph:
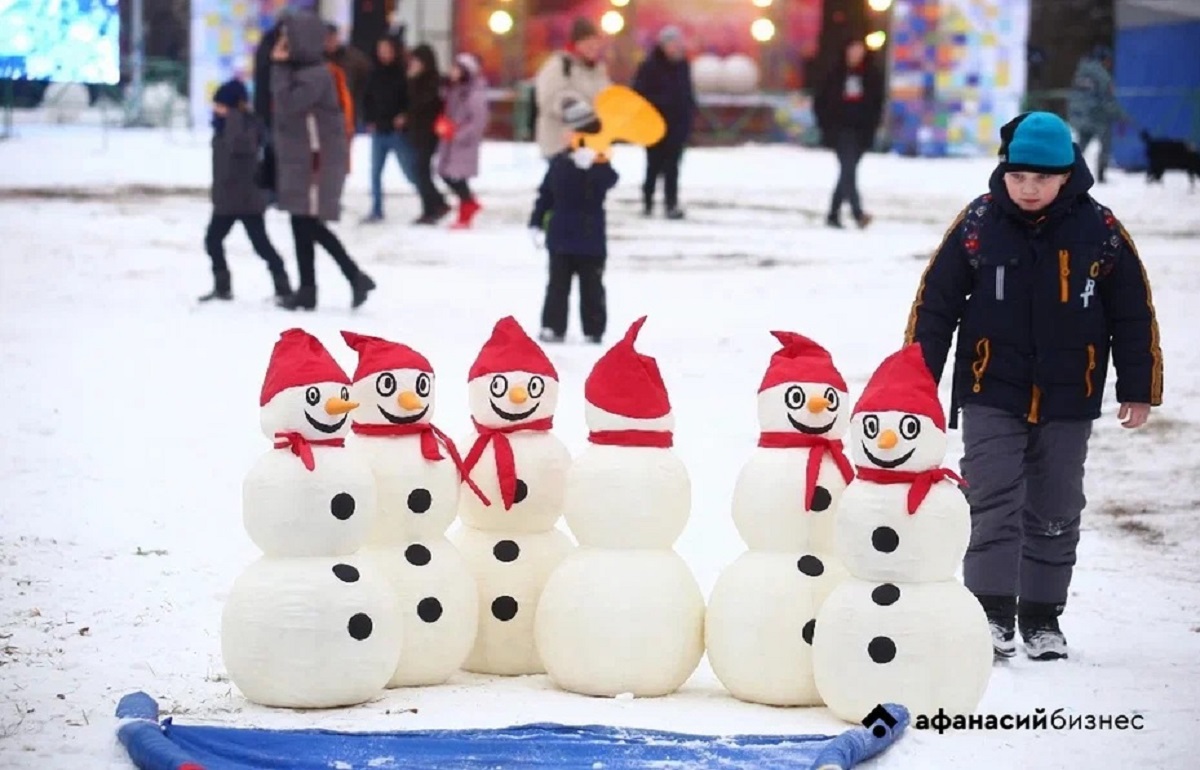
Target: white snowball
627, 497
877, 539
761, 616
739, 74
318, 632
928, 649
768, 502
617, 621
417, 498
510, 569
289, 510
65, 102
706, 73
542, 462
439, 607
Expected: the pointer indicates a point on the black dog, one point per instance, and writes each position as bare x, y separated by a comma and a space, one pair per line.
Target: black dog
1170, 155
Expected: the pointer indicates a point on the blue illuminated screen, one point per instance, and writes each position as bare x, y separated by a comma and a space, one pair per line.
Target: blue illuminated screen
66, 41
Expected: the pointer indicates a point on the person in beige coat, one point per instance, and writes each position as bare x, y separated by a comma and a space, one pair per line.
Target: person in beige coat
575, 74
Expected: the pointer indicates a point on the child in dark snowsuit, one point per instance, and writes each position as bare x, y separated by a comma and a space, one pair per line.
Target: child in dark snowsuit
1042, 283
237, 137
570, 211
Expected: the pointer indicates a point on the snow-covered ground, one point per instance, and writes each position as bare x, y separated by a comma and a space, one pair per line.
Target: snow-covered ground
130, 420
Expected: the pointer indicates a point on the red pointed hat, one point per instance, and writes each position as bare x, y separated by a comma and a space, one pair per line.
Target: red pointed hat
299, 359
627, 383
510, 349
903, 383
377, 355
800, 360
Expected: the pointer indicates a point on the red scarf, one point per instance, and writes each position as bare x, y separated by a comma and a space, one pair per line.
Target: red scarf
302, 447
818, 447
921, 481
653, 438
506, 464
430, 436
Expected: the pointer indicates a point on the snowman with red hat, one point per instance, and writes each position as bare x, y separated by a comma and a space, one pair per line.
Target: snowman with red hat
623, 613
763, 608
902, 629
313, 623
418, 472
518, 467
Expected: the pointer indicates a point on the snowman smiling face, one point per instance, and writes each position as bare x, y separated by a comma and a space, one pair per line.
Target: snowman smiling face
897, 441
511, 398
809, 408
316, 411
398, 397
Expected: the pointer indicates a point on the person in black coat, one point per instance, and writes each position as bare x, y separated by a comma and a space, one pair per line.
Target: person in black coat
385, 109
569, 214
849, 109
237, 137
665, 79
262, 75
424, 106
1042, 283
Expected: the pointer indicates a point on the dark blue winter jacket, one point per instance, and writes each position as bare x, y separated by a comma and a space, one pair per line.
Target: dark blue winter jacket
667, 85
1039, 303
573, 198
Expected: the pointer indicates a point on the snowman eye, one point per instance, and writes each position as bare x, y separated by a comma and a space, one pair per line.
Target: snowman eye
910, 427
794, 397
345, 394
499, 385
870, 425
312, 396
385, 384
537, 386
831, 396
423, 385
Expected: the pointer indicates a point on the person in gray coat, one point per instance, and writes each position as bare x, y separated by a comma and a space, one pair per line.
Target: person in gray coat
237, 137
312, 154
467, 113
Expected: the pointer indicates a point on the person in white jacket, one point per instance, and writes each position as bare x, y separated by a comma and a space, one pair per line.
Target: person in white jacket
575, 74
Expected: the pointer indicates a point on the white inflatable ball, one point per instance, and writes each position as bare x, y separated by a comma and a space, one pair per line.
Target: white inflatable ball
627, 497
706, 74
542, 462
925, 646
768, 501
739, 74
65, 102
621, 621
439, 608
310, 633
159, 103
760, 623
417, 498
510, 569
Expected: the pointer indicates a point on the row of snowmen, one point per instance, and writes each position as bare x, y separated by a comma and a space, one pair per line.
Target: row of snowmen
846, 595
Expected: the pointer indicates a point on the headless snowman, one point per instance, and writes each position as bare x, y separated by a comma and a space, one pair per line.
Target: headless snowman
902, 629
763, 608
508, 537
311, 624
623, 614
418, 473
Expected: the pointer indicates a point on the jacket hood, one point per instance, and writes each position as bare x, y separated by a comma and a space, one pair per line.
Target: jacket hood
306, 37
1077, 187
424, 54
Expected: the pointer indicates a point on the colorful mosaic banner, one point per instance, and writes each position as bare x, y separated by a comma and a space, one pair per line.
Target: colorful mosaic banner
957, 74
224, 36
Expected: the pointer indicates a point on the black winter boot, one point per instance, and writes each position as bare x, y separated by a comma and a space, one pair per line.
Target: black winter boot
304, 298
1040, 632
222, 287
1001, 614
361, 286
283, 287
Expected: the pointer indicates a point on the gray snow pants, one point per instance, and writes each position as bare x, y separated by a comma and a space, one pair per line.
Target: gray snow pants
1025, 487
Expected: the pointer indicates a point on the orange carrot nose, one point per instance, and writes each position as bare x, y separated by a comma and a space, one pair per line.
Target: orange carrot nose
518, 395
409, 401
888, 439
817, 404
339, 406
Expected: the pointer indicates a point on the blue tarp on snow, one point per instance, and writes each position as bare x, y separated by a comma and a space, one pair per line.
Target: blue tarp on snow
1158, 82
168, 746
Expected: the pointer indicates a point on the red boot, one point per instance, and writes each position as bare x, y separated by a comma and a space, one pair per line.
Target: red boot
466, 212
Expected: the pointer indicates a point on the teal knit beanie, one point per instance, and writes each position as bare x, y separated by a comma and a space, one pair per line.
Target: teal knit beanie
1037, 141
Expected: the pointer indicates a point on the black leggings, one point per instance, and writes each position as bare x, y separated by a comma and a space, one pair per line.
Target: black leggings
255, 227
309, 231
460, 188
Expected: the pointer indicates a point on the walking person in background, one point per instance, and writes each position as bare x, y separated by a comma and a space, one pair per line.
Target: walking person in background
466, 123
424, 109
355, 64
665, 79
237, 137
849, 109
385, 105
312, 153
1093, 106
575, 74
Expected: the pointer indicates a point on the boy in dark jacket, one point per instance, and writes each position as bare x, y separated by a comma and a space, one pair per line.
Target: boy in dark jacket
237, 138
1041, 283
570, 211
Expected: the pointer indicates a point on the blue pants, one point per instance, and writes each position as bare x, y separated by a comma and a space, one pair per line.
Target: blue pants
383, 143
